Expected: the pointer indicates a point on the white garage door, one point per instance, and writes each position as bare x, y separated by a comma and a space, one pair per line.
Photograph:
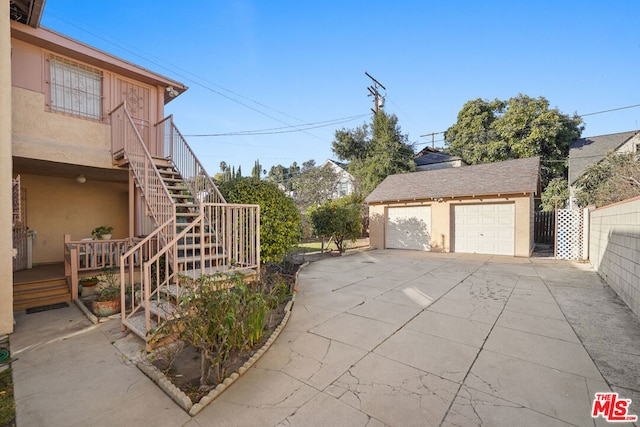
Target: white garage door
409, 228
485, 229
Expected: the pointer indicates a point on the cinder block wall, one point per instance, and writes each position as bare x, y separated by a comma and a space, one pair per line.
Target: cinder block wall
614, 248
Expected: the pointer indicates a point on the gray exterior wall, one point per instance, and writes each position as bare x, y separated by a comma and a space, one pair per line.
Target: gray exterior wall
614, 248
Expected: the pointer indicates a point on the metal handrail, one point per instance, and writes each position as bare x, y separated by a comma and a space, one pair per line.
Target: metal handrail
185, 161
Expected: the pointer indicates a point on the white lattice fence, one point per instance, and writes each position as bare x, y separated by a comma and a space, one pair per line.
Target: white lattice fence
569, 234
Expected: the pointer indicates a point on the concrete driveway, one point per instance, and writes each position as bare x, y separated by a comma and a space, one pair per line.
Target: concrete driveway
405, 338
376, 338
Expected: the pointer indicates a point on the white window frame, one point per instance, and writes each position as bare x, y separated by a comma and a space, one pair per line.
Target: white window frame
75, 88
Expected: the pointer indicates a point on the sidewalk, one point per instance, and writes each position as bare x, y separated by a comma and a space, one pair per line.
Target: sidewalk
375, 338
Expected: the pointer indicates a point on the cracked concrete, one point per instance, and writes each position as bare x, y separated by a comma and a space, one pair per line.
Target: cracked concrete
383, 338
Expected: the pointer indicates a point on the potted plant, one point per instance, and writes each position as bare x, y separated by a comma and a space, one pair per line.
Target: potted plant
89, 281
107, 300
102, 232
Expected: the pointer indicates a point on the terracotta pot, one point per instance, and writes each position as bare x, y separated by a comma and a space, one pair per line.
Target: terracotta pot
88, 284
105, 308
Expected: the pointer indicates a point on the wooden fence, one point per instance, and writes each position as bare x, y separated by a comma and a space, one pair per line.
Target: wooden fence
544, 227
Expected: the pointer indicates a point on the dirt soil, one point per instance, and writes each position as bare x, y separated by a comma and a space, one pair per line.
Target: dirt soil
184, 371
183, 368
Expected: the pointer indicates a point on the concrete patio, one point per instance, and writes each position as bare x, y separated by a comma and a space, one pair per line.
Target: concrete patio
376, 338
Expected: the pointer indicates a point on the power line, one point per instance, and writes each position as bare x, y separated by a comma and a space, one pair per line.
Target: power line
607, 111
579, 115
193, 80
284, 129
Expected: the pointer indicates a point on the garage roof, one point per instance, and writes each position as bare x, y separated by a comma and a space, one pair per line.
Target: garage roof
508, 177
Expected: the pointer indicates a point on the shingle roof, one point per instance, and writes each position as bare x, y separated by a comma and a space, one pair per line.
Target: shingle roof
584, 152
509, 177
432, 158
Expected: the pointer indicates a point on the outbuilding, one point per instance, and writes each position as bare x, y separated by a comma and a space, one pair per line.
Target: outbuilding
486, 209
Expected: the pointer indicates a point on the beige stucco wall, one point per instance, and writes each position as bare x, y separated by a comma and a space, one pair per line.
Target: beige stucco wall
442, 226
614, 248
6, 239
38, 134
59, 206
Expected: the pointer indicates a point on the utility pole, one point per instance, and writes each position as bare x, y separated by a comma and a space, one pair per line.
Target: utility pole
433, 137
378, 100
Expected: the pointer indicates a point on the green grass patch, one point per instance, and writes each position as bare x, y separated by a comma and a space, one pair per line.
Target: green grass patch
314, 247
7, 402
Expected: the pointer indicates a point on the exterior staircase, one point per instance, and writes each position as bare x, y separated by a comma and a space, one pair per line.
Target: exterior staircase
191, 230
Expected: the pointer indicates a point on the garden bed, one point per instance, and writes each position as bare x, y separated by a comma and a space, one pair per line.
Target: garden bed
176, 368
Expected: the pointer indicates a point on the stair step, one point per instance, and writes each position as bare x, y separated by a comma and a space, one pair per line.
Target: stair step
194, 246
193, 258
182, 196
178, 187
29, 291
136, 324
37, 284
174, 291
172, 178
168, 172
40, 301
187, 214
162, 309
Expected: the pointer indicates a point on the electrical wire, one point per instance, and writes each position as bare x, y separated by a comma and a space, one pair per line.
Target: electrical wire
273, 131
197, 82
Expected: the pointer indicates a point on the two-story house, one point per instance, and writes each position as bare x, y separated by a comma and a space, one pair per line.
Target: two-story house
90, 146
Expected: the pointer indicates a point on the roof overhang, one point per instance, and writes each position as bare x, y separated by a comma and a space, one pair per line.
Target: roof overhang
58, 43
28, 12
449, 198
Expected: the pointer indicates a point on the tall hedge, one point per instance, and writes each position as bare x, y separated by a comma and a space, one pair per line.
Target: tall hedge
280, 221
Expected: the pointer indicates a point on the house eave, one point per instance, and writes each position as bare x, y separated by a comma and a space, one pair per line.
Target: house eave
445, 198
63, 45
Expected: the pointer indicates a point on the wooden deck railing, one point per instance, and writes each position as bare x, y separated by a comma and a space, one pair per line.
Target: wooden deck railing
185, 161
91, 255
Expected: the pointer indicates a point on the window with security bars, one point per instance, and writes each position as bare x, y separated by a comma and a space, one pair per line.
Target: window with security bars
75, 88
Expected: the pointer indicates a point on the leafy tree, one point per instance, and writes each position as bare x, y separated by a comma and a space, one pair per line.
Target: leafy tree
339, 218
555, 195
613, 179
257, 170
375, 151
314, 185
492, 131
283, 175
280, 220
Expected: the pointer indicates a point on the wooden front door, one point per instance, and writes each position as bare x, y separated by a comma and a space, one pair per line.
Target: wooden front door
139, 104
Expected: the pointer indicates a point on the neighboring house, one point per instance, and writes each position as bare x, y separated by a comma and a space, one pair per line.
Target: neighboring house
486, 208
91, 146
346, 181
430, 158
585, 152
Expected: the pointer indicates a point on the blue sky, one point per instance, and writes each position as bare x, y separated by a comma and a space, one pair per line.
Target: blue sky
256, 65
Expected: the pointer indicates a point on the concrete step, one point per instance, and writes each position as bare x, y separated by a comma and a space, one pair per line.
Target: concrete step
162, 309
136, 324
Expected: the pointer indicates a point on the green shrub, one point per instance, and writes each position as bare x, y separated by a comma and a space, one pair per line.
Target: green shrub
339, 218
280, 221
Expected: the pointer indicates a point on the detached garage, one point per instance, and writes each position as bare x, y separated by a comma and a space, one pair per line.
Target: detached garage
485, 209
